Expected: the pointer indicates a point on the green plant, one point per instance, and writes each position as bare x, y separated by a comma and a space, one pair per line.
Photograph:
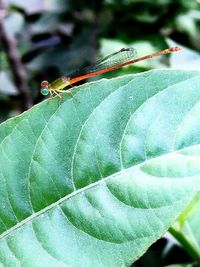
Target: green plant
96, 178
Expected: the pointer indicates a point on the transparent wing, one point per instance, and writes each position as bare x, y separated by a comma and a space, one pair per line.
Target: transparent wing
117, 58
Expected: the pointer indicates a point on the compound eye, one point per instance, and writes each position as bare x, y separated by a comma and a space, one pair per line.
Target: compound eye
44, 84
44, 91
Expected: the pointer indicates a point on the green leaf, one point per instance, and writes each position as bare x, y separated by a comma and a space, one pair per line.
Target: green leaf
96, 178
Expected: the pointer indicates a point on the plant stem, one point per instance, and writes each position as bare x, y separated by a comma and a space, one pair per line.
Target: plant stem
16, 66
186, 244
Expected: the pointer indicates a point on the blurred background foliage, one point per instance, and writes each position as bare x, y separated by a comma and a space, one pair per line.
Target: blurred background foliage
54, 37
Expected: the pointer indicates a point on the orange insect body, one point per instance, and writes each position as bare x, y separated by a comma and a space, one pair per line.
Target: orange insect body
124, 57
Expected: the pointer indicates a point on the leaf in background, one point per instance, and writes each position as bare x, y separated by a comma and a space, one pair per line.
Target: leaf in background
58, 6
48, 22
6, 85
188, 22
14, 23
95, 179
143, 48
36, 6
30, 7
187, 59
67, 60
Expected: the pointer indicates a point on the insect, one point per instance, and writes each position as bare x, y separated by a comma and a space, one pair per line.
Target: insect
115, 61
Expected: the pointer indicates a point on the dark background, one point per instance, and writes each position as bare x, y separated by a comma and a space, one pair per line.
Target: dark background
43, 39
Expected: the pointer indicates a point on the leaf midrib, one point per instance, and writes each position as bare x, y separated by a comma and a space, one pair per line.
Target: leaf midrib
79, 191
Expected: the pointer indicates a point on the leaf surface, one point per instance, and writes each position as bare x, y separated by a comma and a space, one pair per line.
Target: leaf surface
96, 178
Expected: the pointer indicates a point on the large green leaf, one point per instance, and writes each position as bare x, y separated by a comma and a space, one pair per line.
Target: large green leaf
96, 178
